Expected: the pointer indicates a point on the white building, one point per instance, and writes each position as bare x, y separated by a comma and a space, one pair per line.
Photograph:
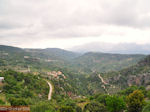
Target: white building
1, 79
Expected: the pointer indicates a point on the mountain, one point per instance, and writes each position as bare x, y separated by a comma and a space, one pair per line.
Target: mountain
77, 80
53, 58
35, 59
114, 81
104, 62
79, 69
138, 74
121, 48
10, 49
53, 53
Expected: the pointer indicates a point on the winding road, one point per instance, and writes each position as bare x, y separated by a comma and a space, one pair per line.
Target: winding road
102, 79
104, 83
50, 90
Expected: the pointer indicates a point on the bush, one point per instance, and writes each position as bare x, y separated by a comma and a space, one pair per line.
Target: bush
43, 107
17, 102
135, 101
2, 102
94, 107
146, 108
102, 99
66, 109
115, 104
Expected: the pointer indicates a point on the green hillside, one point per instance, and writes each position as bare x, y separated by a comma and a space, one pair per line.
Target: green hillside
25, 88
41, 60
80, 83
138, 74
104, 62
81, 71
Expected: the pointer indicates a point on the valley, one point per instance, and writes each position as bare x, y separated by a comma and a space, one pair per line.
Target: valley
53, 78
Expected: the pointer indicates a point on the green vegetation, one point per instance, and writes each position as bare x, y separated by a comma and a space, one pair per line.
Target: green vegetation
43, 106
28, 89
23, 89
81, 83
146, 108
42, 60
115, 104
135, 101
104, 62
94, 107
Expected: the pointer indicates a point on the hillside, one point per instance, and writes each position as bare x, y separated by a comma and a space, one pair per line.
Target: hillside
21, 87
44, 60
53, 53
138, 74
104, 62
4, 48
114, 81
26, 60
80, 72
77, 81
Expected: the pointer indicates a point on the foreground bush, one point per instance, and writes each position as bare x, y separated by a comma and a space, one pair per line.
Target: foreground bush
94, 107
135, 101
115, 104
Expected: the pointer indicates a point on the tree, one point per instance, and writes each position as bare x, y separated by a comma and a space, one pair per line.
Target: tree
135, 101
18, 102
71, 103
2, 102
148, 94
115, 104
94, 107
66, 109
102, 98
146, 108
43, 107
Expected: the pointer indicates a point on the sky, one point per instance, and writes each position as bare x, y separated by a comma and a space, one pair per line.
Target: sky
68, 23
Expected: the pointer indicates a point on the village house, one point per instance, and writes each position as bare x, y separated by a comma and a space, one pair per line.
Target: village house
1, 79
56, 74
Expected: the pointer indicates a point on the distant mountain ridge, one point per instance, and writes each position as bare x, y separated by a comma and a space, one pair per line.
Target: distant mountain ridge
10, 48
53, 58
54, 53
102, 62
120, 48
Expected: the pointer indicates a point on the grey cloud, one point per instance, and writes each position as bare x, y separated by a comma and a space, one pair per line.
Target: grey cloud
7, 25
70, 18
122, 13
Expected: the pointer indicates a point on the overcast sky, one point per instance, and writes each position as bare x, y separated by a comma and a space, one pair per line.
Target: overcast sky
68, 23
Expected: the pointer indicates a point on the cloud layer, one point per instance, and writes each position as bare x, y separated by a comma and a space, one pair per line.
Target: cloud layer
42, 23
